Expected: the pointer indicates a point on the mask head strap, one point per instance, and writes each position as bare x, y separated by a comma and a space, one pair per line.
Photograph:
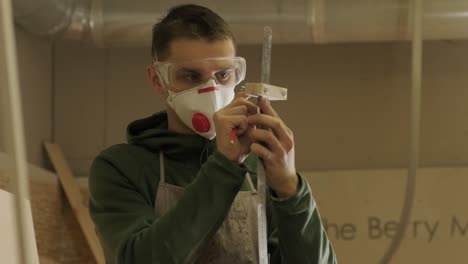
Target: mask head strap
160, 75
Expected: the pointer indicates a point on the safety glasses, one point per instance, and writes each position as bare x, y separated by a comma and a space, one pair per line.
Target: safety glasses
226, 71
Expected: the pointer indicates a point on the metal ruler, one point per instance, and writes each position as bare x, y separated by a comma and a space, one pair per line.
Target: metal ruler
261, 181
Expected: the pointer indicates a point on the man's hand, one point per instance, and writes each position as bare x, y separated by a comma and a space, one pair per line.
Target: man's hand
225, 120
274, 143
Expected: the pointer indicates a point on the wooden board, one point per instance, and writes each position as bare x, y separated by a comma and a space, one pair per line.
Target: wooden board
73, 193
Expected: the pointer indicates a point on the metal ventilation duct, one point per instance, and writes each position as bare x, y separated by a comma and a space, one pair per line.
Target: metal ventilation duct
128, 23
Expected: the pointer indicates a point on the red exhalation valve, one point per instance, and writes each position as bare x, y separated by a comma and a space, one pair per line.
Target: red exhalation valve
201, 123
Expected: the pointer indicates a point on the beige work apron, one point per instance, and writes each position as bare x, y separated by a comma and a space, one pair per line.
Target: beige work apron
236, 239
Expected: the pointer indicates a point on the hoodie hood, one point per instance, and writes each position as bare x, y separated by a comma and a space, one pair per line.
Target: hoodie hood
152, 133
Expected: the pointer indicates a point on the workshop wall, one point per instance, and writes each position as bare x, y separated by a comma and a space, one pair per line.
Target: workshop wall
35, 73
348, 103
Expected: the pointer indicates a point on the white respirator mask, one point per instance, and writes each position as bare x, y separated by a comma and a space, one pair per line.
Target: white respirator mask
196, 106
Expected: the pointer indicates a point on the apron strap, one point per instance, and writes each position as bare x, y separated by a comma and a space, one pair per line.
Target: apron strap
250, 182
162, 177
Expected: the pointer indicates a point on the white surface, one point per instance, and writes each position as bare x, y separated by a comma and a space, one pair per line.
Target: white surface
8, 241
21, 184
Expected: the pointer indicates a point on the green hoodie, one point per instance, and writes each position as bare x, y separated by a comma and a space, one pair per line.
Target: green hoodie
123, 186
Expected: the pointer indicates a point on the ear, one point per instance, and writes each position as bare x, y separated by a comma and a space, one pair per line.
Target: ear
153, 79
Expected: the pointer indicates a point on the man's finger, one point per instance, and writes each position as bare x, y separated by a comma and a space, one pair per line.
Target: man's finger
251, 107
261, 151
236, 110
231, 121
266, 108
268, 138
269, 122
280, 130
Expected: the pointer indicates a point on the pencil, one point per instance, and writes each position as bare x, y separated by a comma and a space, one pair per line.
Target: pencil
232, 139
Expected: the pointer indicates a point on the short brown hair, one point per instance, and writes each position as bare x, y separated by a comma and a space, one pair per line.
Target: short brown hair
187, 21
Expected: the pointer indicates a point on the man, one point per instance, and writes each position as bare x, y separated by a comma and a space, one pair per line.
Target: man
177, 194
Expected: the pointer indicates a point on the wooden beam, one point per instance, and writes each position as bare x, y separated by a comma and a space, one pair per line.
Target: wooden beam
72, 191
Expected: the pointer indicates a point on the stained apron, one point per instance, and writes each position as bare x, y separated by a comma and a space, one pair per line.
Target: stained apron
236, 239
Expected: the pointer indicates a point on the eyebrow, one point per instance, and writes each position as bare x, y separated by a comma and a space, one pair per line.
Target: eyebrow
198, 71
